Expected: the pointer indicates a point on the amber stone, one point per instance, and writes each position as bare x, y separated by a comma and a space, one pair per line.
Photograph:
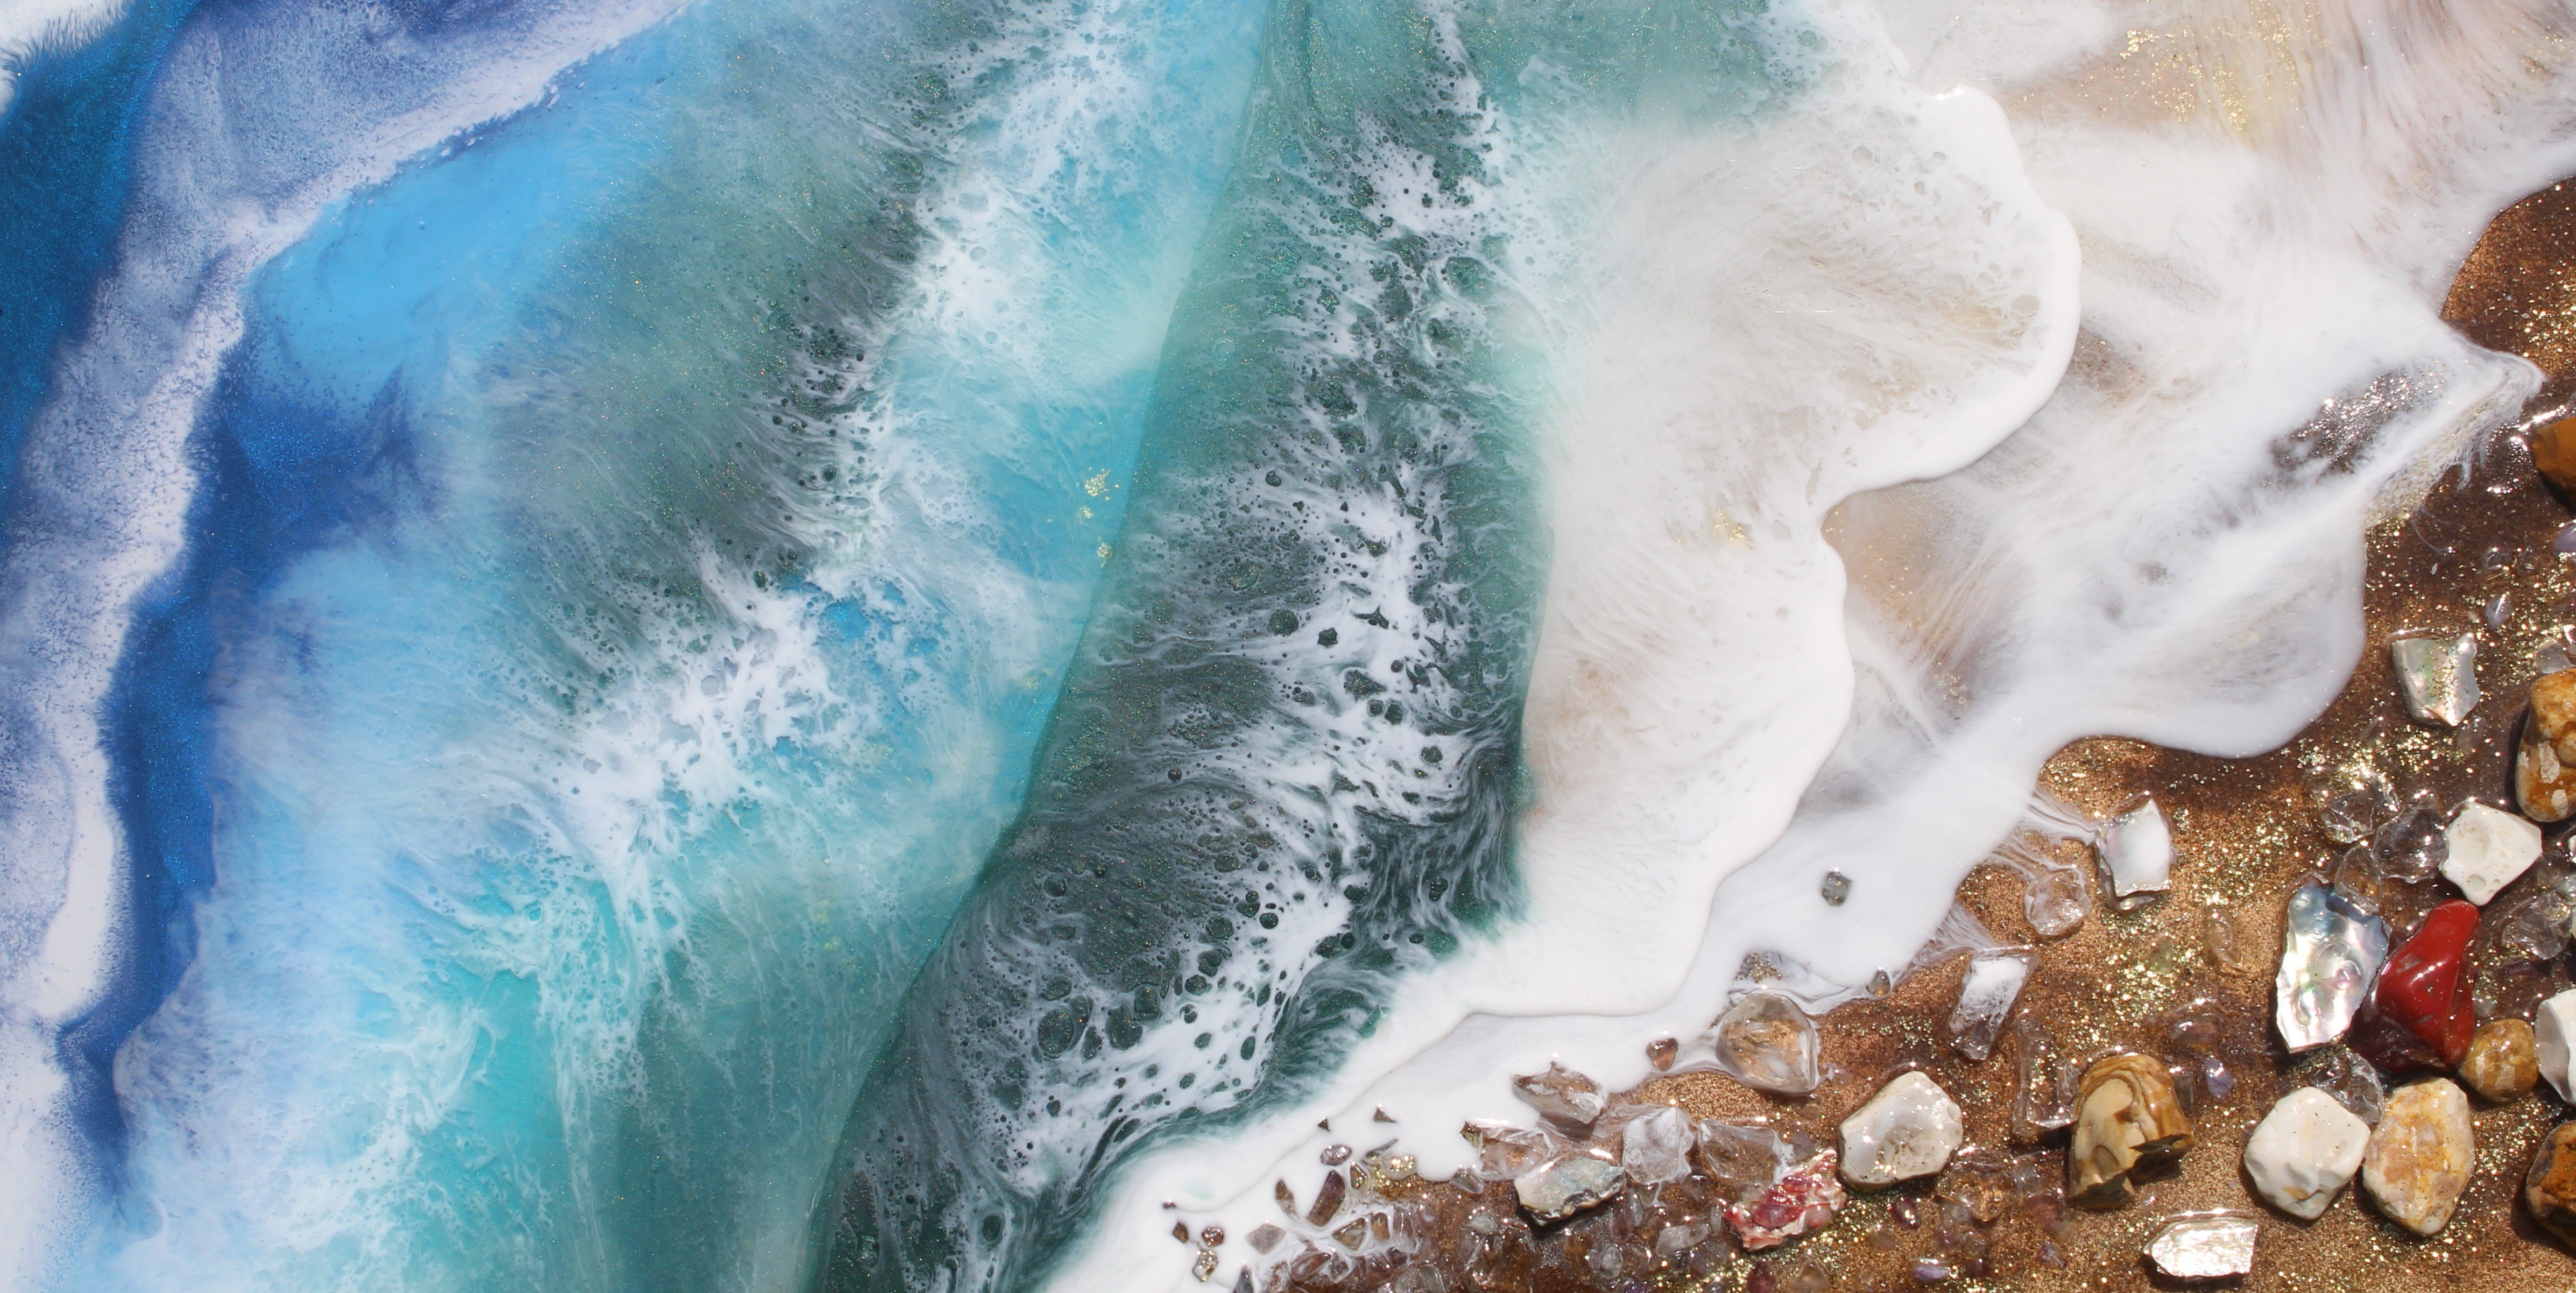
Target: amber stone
2127, 1123
2503, 1063
2553, 451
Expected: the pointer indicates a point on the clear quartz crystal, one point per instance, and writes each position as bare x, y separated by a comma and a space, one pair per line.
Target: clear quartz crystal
2192, 1044
2534, 924
1835, 889
2356, 878
2044, 1095
2351, 804
1505, 1150
2210, 1247
2353, 1081
2412, 846
2331, 953
1741, 1158
2054, 899
2136, 850
2438, 677
1655, 1147
1766, 1042
1986, 996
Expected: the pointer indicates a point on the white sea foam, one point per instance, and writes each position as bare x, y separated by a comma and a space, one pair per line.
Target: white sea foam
2168, 547
32, 28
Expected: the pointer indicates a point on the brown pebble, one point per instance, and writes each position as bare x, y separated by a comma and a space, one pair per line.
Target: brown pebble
2127, 1123
1660, 1052
2553, 451
1328, 1199
2549, 1189
2544, 766
2502, 1063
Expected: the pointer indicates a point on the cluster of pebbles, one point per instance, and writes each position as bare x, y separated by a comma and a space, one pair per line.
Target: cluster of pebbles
2337, 972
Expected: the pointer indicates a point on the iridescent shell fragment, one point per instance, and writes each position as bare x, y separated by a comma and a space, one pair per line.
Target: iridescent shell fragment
2437, 676
2331, 953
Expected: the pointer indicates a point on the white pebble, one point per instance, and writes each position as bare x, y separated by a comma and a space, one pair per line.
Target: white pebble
2552, 1026
1907, 1130
2489, 849
2305, 1151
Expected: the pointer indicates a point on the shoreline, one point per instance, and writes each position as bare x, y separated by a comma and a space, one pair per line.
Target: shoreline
2201, 956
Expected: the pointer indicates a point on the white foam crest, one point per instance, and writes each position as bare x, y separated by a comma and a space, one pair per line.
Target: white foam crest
227, 176
1022, 295
31, 29
2168, 548
1362, 669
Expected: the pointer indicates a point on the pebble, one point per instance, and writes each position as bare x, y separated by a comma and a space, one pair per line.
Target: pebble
2489, 849
1905, 1131
1660, 1052
2420, 1155
2304, 1152
2544, 764
2551, 1028
1766, 1042
2420, 1017
2502, 1063
2215, 1247
1802, 1199
2549, 1188
1562, 1095
2553, 451
2127, 1122
2437, 676
1568, 1184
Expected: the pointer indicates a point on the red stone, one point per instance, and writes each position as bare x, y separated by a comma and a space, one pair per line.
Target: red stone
2420, 1017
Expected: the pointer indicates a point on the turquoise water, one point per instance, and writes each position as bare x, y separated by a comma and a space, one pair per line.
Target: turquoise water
787, 651
1282, 771
645, 539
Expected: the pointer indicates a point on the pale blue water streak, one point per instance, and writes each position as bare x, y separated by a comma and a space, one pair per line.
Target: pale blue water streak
640, 545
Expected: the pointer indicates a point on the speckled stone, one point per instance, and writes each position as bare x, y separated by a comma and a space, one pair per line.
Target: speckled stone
2549, 1188
1568, 1184
2420, 1155
2502, 1063
2544, 766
